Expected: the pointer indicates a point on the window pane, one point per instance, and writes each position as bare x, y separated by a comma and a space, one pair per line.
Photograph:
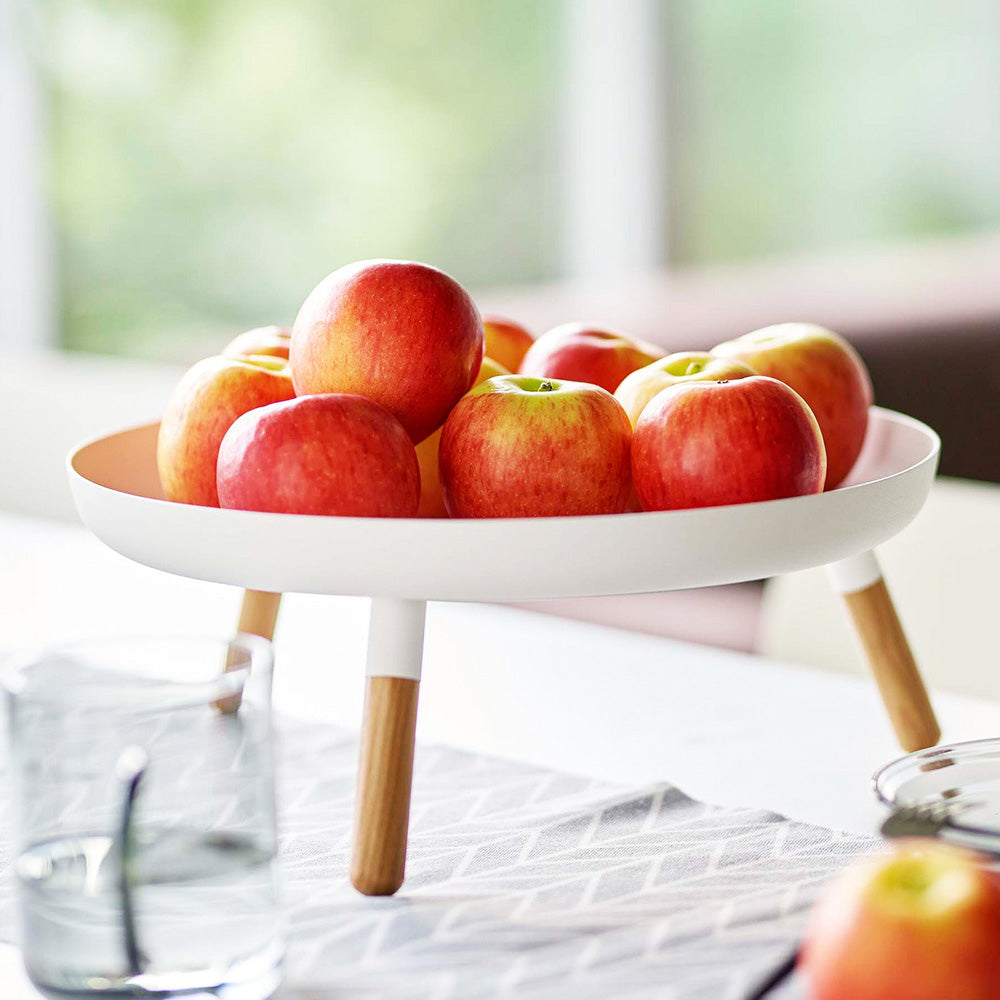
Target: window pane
212, 161
819, 123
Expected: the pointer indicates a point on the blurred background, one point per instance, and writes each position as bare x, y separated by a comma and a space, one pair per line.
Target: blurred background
175, 170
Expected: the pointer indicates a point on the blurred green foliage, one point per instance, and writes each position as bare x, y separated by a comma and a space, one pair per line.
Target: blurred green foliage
212, 159
803, 124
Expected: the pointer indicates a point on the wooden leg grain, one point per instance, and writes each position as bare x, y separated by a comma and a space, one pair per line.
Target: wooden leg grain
888, 652
258, 616
385, 771
259, 613
385, 764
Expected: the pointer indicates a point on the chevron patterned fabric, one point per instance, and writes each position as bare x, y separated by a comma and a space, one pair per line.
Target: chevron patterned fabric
531, 883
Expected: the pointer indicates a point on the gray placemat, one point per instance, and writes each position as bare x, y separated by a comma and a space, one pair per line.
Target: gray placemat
523, 881
527, 882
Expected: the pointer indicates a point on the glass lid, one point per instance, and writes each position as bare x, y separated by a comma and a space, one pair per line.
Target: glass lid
964, 776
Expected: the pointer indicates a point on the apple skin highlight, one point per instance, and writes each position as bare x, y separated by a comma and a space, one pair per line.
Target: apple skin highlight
706, 444
507, 342
517, 446
582, 353
637, 389
431, 498
404, 334
826, 372
331, 454
274, 341
202, 407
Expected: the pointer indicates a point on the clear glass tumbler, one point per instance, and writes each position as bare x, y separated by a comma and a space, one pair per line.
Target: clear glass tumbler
143, 794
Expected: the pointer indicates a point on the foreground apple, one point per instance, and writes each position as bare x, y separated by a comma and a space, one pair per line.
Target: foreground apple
401, 333
322, 454
637, 389
703, 444
274, 341
582, 353
206, 401
507, 342
826, 372
921, 924
518, 446
431, 498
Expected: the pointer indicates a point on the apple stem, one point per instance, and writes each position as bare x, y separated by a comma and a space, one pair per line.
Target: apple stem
546, 386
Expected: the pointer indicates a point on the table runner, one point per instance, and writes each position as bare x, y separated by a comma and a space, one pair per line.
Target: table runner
527, 882
524, 881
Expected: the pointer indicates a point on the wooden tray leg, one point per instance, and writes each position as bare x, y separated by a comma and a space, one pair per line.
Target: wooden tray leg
859, 580
258, 616
385, 764
259, 613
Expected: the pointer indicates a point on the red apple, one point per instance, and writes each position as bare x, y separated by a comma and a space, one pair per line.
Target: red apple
518, 446
507, 342
431, 498
637, 389
585, 354
324, 454
826, 372
403, 334
202, 407
921, 924
703, 444
264, 340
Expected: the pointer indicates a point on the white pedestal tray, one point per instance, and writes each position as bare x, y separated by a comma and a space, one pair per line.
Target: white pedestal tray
402, 563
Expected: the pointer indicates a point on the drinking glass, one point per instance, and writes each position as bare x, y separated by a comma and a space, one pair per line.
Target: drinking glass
143, 795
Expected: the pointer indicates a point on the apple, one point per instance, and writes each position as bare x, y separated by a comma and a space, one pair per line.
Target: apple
202, 407
920, 924
266, 340
637, 389
333, 453
507, 342
703, 444
404, 334
825, 371
518, 446
431, 499
584, 354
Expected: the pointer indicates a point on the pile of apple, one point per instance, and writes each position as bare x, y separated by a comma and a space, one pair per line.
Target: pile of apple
391, 397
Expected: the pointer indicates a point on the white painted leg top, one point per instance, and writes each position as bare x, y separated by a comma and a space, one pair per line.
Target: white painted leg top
396, 638
851, 575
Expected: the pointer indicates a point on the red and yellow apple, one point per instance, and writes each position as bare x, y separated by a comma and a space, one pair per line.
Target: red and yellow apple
507, 342
431, 499
322, 454
637, 389
704, 444
825, 371
202, 407
404, 334
583, 353
274, 341
517, 446
920, 924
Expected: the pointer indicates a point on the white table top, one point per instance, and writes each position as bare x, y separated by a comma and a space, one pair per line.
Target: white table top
725, 727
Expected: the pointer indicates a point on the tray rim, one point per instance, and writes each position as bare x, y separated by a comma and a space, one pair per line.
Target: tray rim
894, 416
539, 557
